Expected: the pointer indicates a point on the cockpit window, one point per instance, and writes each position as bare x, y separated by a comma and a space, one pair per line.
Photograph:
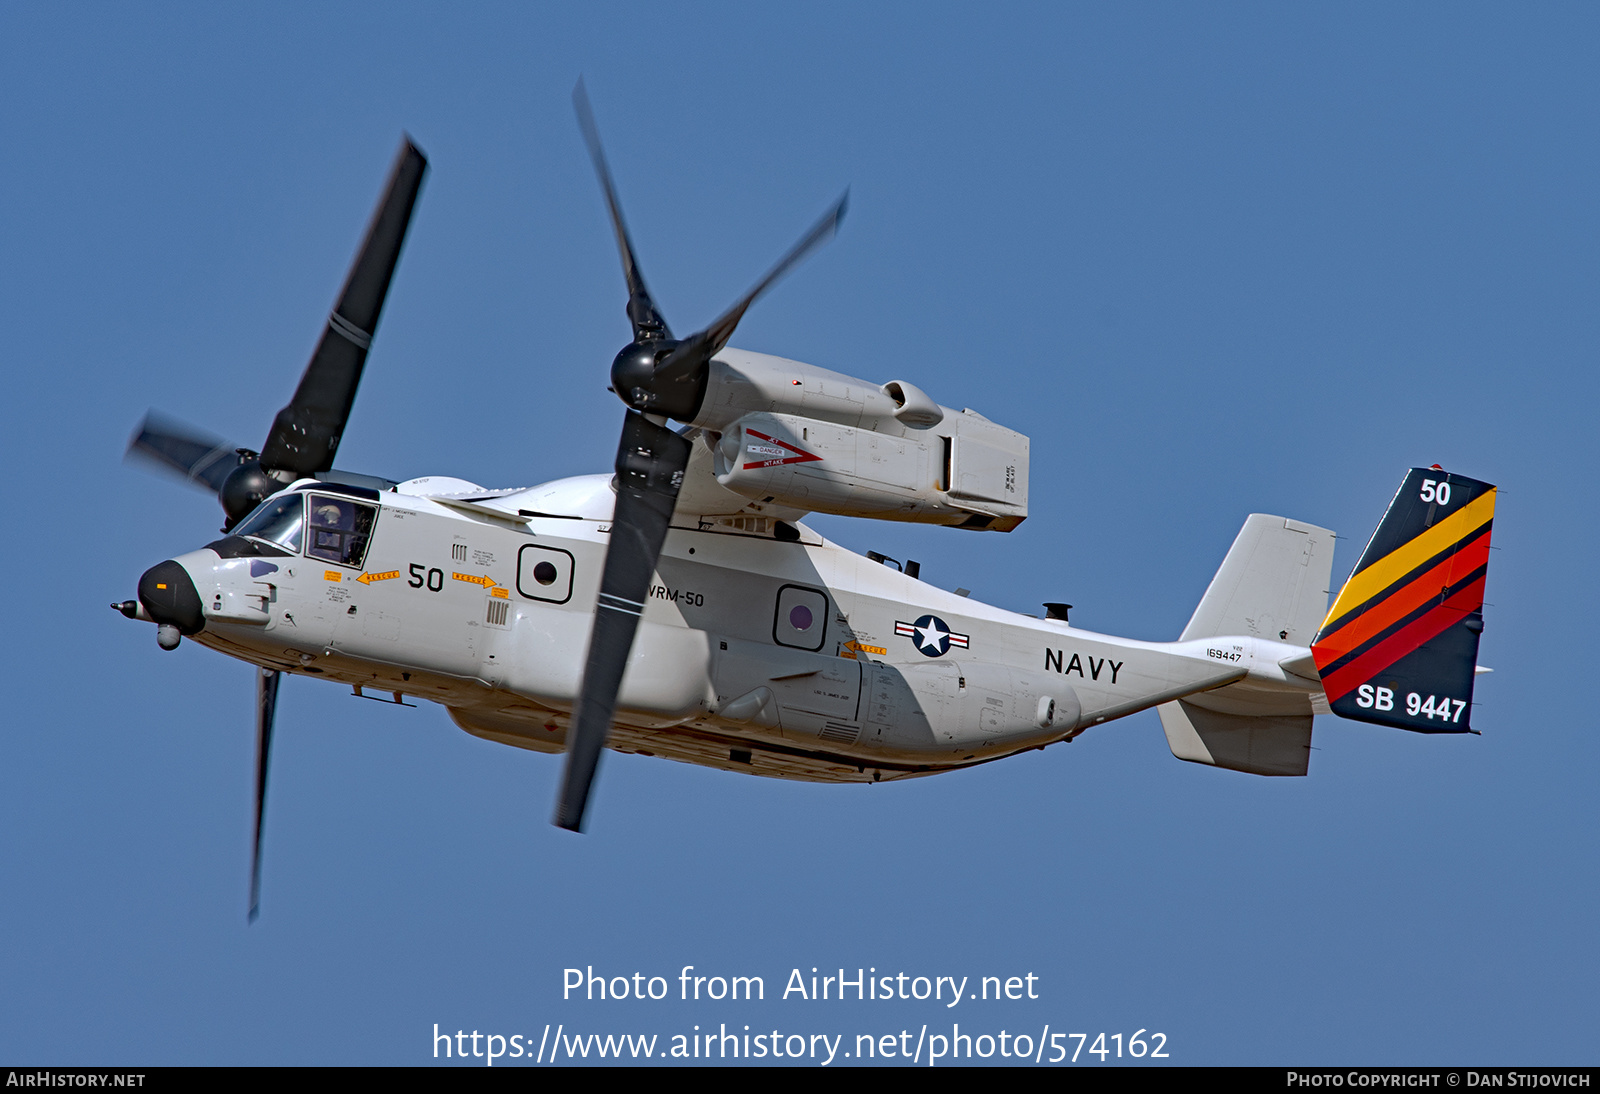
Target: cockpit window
278, 520
340, 529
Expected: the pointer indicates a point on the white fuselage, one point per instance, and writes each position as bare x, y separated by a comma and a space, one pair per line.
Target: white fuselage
795, 659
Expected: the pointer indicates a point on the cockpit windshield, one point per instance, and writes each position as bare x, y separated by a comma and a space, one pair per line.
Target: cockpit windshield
278, 520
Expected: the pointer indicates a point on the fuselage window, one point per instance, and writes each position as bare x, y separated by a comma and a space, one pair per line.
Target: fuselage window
278, 520
340, 529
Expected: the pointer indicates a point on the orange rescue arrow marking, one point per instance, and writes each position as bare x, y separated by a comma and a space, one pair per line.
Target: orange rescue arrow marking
486, 581
368, 579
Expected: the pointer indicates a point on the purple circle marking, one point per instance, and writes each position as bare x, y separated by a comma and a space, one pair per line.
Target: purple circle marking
800, 617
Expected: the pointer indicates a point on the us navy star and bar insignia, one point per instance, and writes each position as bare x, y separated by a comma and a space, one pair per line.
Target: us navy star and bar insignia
931, 635
1399, 647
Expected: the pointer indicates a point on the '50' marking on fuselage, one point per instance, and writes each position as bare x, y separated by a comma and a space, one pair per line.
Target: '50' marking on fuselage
433, 579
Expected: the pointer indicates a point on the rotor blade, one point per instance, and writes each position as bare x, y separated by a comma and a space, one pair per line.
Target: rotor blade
650, 464
642, 311
266, 706
305, 435
700, 347
199, 457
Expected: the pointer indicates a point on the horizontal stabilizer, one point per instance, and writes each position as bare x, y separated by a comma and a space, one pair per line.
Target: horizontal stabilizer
1400, 643
1267, 745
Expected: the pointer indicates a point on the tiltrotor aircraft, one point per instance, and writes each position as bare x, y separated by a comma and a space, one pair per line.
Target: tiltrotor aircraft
680, 608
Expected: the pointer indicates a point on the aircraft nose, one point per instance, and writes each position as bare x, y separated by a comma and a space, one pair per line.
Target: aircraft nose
168, 594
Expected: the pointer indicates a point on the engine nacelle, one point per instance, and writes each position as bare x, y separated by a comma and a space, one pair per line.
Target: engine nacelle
798, 436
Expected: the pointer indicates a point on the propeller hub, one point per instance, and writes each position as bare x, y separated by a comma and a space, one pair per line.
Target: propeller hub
246, 487
633, 372
637, 378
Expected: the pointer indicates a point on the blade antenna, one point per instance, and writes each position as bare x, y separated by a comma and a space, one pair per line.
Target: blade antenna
266, 707
647, 321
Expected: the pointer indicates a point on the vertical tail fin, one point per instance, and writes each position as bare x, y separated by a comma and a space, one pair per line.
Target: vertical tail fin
1399, 647
1272, 584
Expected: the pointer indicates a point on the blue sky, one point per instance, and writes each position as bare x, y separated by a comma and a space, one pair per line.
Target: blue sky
1213, 260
